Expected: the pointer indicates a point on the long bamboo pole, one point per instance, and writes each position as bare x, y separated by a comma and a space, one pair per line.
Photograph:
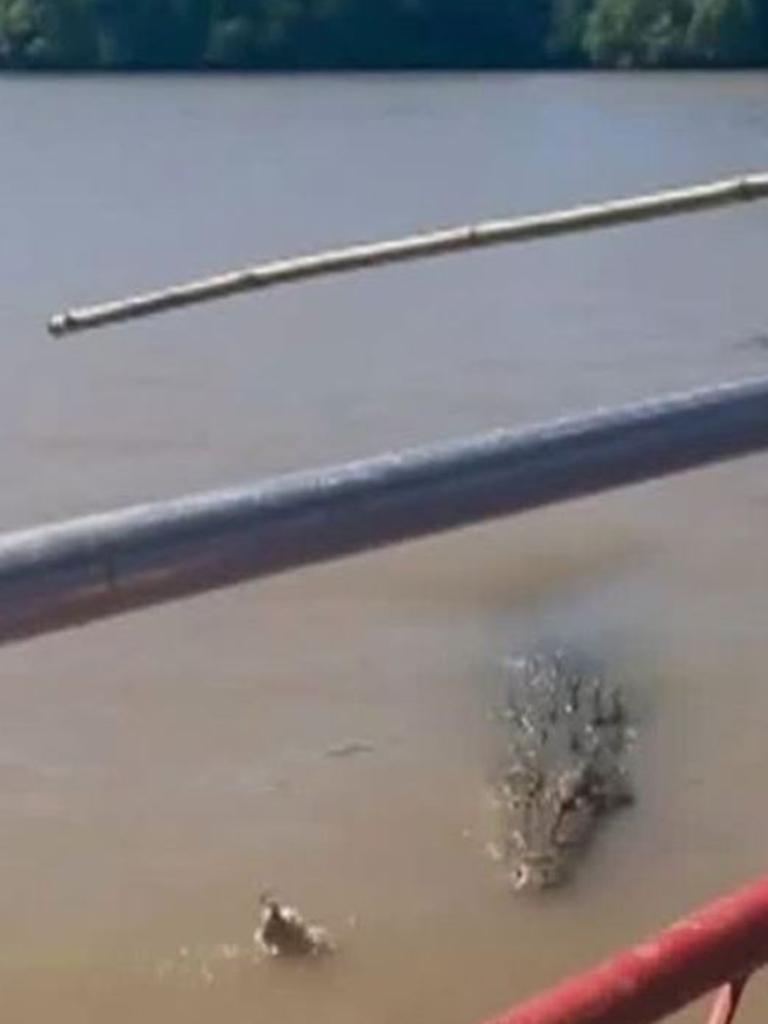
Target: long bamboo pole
436, 243
61, 575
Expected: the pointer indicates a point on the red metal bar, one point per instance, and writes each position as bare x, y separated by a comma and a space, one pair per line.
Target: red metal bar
727, 939
726, 1002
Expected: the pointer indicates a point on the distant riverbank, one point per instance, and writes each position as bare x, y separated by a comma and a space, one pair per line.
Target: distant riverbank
381, 35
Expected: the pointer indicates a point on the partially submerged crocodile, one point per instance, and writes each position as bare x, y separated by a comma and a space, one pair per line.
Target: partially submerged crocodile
566, 735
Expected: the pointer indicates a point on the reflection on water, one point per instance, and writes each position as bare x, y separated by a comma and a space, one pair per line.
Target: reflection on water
326, 734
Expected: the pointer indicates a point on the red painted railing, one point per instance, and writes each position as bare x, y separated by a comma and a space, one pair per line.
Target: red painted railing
717, 947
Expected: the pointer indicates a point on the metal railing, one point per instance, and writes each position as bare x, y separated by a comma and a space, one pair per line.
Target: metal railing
717, 947
68, 573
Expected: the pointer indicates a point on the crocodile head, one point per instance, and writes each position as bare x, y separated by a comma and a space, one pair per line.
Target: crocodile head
547, 817
563, 767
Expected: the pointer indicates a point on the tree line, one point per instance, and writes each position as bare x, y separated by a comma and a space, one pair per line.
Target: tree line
306, 34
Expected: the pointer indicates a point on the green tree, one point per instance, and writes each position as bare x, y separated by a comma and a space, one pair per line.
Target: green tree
727, 32
567, 27
253, 33
487, 33
380, 33
46, 33
645, 33
152, 33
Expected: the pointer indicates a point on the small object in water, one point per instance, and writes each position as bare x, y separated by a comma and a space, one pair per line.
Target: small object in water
349, 749
283, 932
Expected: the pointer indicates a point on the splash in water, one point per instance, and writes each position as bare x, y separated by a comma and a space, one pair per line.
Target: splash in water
281, 932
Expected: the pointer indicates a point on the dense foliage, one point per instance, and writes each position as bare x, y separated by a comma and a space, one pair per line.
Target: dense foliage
381, 33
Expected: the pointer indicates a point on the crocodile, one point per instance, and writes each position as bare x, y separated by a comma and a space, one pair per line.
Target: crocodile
566, 734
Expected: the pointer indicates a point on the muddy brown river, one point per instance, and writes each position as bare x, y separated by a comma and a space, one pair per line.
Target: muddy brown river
326, 733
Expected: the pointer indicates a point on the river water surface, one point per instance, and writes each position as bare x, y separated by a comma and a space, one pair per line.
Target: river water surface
157, 771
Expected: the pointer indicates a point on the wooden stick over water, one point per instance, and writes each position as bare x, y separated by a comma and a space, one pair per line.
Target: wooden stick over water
436, 243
